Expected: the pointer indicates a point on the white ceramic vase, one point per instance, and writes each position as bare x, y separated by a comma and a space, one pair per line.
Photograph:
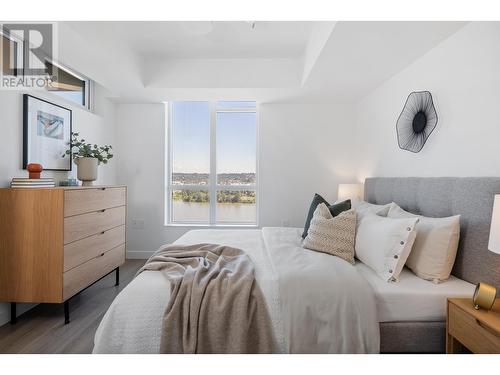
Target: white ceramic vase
87, 170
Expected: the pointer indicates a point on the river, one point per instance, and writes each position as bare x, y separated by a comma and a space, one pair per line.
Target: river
226, 212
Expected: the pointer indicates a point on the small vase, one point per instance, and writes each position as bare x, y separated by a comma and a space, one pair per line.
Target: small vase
34, 170
87, 170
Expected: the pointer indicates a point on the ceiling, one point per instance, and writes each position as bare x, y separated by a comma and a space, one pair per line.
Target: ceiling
206, 39
269, 62
359, 56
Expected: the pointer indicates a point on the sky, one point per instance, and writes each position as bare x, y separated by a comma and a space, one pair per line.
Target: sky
236, 139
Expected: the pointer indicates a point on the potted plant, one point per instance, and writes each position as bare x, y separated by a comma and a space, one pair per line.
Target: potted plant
87, 157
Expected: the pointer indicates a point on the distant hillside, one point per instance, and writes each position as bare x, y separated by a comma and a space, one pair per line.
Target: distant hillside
223, 178
223, 196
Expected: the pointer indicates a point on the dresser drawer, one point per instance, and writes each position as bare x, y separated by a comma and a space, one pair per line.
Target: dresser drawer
78, 201
81, 226
85, 274
470, 332
79, 252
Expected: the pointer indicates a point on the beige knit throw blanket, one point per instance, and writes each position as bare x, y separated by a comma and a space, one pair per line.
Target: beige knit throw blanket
216, 305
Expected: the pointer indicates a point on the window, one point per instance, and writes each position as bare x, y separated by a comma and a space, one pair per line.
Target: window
10, 54
212, 163
69, 85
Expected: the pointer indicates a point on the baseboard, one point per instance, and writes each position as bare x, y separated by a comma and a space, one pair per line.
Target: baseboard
138, 254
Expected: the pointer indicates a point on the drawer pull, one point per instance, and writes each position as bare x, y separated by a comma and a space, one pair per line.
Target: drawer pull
487, 328
103, 210
101, 255
103, 232
103, 188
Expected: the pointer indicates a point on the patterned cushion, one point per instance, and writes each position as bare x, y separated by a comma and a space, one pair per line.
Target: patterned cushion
332, 235
335, 209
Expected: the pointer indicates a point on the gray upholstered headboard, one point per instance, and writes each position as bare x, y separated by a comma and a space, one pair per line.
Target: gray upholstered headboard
470, 197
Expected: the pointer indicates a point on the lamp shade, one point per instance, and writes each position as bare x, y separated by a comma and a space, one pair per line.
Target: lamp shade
354, 192
494, 243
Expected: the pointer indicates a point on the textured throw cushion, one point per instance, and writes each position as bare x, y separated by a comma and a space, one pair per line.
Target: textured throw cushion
332, 235
384, 243
435, 247
335, 209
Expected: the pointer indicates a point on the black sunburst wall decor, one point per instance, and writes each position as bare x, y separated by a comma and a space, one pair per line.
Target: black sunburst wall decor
416, 122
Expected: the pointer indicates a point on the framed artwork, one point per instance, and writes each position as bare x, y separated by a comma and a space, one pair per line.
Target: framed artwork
46, 134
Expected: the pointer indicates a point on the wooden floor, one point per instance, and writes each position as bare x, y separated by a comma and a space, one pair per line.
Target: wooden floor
42, 329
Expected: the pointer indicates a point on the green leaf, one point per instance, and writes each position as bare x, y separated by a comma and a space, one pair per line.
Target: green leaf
80, 148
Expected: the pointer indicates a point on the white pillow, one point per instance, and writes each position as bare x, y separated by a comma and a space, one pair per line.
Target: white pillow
362, 208
383, 243
332, 235
435, 247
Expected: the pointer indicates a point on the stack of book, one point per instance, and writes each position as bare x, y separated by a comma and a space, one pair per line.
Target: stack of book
31, 183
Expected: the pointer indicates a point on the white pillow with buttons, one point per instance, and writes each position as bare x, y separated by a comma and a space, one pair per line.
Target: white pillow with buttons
435, 247
384, 243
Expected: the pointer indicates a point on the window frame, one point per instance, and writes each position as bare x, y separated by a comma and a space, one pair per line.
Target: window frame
17, 51
212, 187
89, 86
19, 45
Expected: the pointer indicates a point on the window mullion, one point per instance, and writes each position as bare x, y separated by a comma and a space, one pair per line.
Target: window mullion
213, 163
169, 163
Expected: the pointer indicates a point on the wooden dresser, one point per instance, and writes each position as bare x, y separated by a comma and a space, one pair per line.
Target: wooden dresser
55, 242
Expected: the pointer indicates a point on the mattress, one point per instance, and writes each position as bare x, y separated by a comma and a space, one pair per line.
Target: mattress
412, 298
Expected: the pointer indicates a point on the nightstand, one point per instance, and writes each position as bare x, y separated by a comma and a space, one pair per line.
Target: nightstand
468, 328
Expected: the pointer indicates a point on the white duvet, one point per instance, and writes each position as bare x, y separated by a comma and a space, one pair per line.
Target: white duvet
318, 303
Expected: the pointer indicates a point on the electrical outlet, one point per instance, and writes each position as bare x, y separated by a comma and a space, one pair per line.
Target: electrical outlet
137, 223
285, 223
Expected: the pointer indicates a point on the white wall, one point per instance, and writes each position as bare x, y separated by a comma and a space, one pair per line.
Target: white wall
95, 127
304, 148
463, 75
141, 165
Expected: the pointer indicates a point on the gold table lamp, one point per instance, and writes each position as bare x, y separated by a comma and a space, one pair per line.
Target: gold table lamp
484, 295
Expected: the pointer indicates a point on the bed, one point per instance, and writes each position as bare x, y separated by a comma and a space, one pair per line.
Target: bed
301, 291
349, 310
